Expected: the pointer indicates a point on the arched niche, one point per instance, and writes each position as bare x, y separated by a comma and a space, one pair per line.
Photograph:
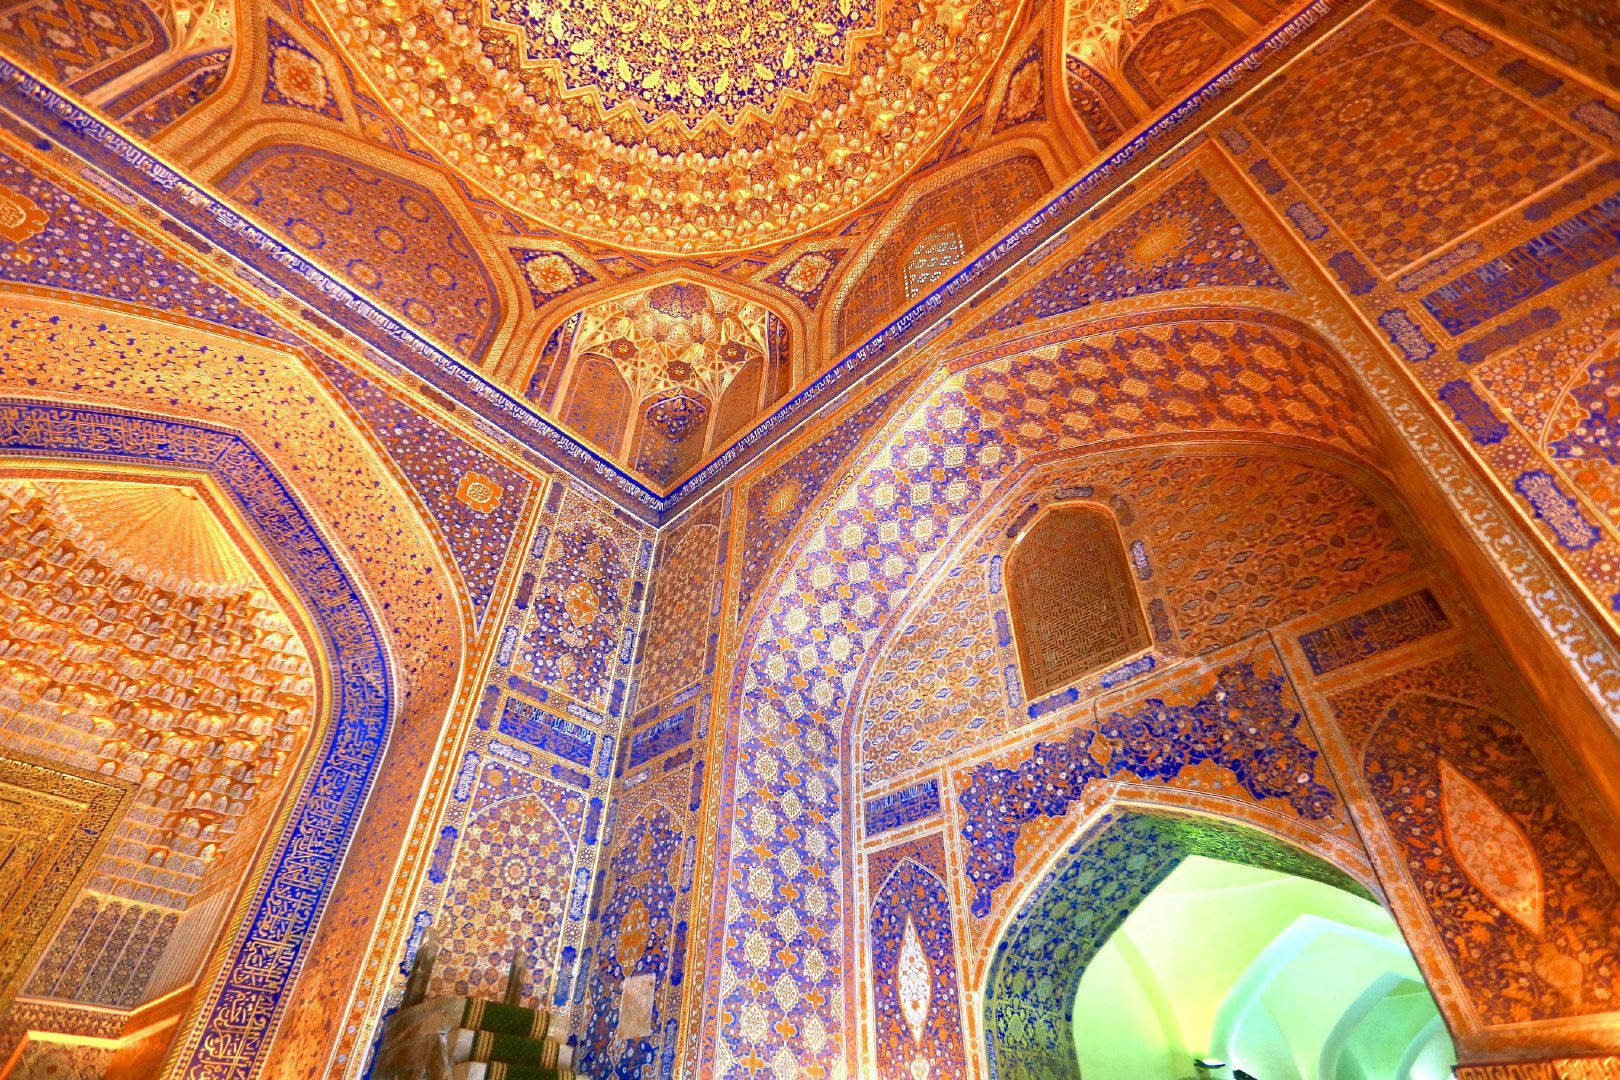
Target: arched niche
255, 965
342, 525
1072, 596
972, 200
181, 664
661, 374
964, 442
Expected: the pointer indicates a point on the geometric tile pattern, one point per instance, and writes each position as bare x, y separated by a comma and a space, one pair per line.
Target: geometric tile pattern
387, 236
1229, 559
776, 500
1177, 52
939, 686
1423, 149
163, 99
678, 633
1185, 237
509, 884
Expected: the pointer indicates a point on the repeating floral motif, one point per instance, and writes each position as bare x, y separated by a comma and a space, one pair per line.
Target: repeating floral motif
445, 470
636, 939
776, 501
1249, 723
1563, 963
658, 117
1185, 237
914, 984
819, 629
940, 685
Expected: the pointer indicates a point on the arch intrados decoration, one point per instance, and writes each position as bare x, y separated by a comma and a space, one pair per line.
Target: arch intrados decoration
952, 364
1081, 843
1364, 371
953, 358
249, 976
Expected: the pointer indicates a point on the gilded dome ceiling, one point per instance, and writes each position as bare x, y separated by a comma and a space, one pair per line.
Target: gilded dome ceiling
679, 126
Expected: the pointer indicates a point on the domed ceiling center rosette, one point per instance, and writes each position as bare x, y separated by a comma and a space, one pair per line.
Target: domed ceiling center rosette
677, 126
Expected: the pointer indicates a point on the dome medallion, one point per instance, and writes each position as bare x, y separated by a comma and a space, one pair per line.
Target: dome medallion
677, 126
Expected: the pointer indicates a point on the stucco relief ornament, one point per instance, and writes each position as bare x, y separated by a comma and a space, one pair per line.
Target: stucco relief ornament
914, 983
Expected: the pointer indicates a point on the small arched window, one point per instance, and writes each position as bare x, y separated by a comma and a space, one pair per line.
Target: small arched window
1073, 600
931, 258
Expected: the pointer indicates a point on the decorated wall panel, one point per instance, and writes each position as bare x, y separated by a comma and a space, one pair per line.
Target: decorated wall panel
972, 433
580, 619
476, 498
56, 241
140, 362
1185, 236
1498, 295
625, 1032
85, 45
881, 793
1221, 547
510, 883
1425, 120
390, 237
1072, 599
683, 604
916, 996
55, 818
1488, 841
